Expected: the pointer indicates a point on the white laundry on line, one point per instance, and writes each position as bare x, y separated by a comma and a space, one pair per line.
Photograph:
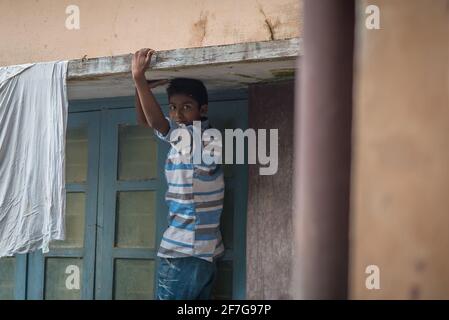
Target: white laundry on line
33, 121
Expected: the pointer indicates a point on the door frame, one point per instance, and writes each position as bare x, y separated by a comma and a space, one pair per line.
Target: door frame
95, 209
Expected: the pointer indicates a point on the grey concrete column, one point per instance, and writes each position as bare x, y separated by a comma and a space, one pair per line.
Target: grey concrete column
323, 115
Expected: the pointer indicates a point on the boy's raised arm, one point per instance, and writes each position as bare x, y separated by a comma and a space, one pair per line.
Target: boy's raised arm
147, 102
141, 120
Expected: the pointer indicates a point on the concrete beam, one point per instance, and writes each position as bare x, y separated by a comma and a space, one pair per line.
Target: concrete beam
220, 67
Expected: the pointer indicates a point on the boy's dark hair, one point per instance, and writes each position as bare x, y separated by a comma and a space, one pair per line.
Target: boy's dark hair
191, 87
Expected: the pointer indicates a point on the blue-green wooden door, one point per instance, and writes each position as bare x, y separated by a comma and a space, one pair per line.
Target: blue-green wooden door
116, 212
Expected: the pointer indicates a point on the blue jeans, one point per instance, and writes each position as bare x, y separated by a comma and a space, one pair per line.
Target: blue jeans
185, 279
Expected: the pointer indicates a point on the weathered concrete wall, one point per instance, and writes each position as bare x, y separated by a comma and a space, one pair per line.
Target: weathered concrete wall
34, 31
269, 224
400, 202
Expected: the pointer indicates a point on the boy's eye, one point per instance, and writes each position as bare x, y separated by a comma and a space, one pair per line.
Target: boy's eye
184, 108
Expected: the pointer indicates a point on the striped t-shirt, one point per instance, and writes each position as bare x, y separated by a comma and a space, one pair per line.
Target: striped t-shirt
195, 202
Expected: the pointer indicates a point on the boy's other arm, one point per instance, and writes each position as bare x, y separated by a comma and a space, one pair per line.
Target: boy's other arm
148, 103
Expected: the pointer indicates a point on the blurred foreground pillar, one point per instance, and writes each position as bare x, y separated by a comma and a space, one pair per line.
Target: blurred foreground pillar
323, 115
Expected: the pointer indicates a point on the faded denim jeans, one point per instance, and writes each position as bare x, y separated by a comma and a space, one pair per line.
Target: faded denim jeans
185, 279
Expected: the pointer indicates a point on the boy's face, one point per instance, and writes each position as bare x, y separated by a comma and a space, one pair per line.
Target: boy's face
184, 109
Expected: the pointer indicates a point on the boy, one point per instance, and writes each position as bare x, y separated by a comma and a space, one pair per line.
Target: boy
192, 242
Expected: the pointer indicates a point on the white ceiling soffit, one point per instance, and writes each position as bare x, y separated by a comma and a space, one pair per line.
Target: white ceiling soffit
224, 67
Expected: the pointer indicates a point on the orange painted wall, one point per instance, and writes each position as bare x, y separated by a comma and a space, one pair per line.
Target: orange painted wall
34, 30
400, 199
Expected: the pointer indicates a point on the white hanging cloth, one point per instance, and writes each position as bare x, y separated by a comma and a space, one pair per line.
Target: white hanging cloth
33, 122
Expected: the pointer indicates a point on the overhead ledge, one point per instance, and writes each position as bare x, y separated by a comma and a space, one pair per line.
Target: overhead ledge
223, 67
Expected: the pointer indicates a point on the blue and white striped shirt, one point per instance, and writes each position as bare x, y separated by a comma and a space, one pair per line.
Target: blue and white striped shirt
195, 200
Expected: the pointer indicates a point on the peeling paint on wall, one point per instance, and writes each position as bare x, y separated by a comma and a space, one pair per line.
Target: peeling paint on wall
269, 24
199, 30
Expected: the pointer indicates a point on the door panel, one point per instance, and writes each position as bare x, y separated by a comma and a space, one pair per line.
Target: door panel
136, 219
137, 153
62, 278
134, 279
12, 277
7, 276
